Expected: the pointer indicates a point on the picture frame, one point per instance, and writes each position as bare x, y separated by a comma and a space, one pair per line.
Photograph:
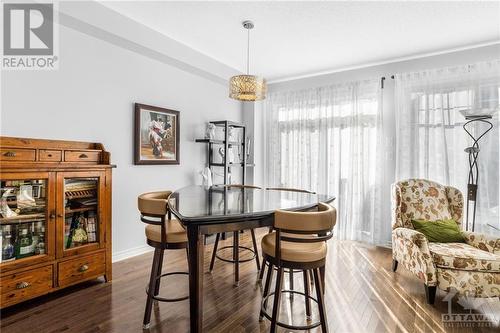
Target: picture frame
157, 133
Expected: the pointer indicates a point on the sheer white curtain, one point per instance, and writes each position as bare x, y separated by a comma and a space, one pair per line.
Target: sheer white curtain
328, 140
430, 136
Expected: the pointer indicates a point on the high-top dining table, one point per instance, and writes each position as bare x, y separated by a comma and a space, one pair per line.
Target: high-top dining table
223, 209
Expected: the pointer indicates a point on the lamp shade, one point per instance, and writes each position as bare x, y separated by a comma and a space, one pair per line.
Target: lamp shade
247, 88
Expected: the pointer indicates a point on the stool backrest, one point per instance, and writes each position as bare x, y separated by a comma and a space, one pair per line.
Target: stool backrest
154, 203
311, 222
317, 225
154, 207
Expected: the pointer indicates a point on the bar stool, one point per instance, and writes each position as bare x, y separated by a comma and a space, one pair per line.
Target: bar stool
298, 243
264, 262
236, 247
163, 234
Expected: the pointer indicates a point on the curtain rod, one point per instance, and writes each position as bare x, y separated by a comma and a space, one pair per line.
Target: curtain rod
382, 79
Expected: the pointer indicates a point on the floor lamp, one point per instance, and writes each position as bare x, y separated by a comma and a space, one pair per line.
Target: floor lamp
473, 152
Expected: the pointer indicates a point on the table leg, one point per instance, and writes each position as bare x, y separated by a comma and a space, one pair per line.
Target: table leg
196, 249
322, 275
236, 257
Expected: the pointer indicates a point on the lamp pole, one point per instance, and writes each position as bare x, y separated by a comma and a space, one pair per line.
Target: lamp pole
473, 152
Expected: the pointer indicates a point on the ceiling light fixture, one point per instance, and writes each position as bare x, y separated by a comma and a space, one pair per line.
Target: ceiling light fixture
247, 87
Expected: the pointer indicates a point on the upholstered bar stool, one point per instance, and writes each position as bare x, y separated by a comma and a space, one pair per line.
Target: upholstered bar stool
162, 233
298, 243
264, 262
236, 247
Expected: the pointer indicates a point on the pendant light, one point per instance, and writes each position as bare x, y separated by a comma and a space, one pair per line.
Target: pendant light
247, 87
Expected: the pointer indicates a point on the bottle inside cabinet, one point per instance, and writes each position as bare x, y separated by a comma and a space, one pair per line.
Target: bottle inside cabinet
81, 207
22, 218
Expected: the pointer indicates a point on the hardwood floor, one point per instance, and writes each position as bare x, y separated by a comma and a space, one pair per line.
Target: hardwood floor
362, 295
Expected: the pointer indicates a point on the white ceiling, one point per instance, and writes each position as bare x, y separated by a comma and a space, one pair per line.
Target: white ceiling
299, 38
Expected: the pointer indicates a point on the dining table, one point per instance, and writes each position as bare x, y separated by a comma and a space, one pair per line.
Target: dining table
220, 208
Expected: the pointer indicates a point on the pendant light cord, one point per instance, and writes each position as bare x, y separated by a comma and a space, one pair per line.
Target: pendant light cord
248, 51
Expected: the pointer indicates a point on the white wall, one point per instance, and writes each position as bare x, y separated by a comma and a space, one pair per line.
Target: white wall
91, 98
252, 117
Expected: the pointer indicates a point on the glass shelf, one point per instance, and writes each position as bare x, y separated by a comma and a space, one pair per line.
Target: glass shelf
81, 223
23, 212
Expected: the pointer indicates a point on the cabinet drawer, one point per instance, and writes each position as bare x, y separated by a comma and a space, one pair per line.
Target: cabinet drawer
81, 268
17, 154
50, 155
81, 156
25, 285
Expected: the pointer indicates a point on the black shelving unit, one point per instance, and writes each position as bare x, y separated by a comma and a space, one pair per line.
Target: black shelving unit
212, 143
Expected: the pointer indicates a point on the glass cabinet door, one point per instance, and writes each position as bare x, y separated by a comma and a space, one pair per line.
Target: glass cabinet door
81, 203
26, 213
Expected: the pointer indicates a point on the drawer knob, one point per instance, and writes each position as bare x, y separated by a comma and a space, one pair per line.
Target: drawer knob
49, 155
83, 156
22, 285
10, 154
83, 268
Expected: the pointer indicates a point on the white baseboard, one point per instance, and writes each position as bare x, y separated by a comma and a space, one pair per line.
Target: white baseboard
129, 253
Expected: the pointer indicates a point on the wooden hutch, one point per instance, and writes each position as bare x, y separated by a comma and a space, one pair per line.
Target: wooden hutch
55, 216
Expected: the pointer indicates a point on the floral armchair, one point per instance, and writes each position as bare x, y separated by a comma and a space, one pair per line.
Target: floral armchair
471, 268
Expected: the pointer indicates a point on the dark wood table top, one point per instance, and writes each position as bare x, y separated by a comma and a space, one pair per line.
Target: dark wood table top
201, 205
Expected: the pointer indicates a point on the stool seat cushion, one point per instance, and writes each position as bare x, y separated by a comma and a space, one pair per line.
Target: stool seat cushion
175, 232
294, 252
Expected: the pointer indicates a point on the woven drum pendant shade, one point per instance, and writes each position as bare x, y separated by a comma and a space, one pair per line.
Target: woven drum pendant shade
247, 88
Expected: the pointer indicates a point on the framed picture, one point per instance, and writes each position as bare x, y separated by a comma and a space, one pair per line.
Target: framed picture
156, 137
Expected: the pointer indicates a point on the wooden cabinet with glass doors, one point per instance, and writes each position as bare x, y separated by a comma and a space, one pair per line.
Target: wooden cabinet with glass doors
55, 216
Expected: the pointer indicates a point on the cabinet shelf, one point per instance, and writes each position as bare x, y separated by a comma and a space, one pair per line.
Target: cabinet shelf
219, 142
232, 164
22, 218
39, 203
227, 123
79, 210
80, 194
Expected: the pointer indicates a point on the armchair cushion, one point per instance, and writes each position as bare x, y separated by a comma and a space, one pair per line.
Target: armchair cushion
441, 231
411, 249
464, 257
483, 242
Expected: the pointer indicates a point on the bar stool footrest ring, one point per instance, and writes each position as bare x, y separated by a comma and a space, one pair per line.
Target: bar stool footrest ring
163, 299
231, 260
281, 324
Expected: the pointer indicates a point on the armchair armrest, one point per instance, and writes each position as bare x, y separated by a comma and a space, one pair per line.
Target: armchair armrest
483, 242
411, 248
